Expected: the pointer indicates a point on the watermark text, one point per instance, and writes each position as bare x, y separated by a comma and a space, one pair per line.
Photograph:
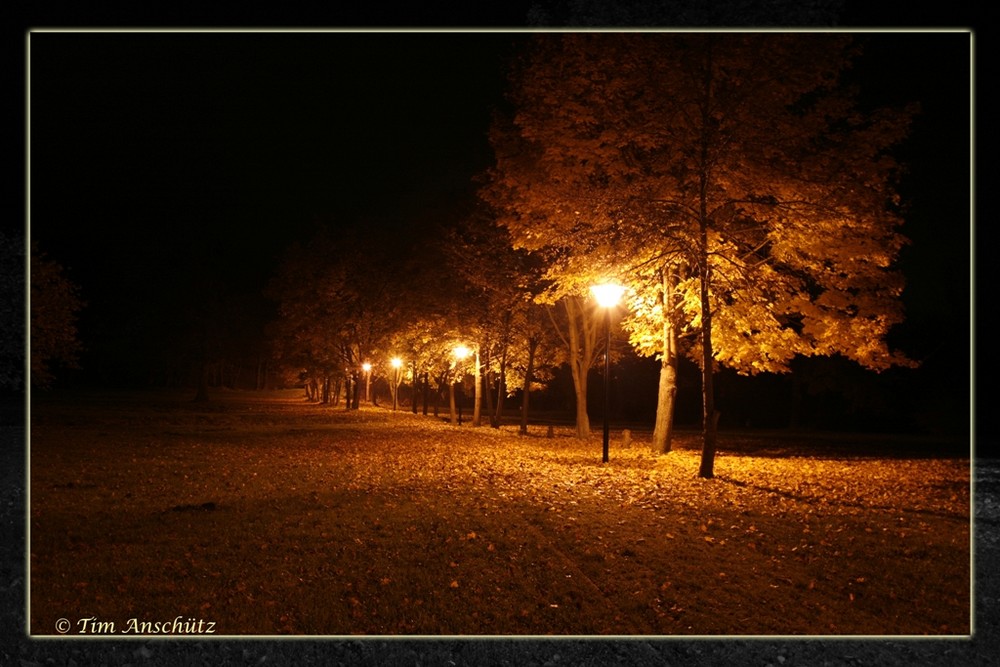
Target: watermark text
179, 625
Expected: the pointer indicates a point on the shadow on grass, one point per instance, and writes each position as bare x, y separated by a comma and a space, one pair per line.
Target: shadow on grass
813, 500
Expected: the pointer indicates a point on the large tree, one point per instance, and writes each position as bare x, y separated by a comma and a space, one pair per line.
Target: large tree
737, 168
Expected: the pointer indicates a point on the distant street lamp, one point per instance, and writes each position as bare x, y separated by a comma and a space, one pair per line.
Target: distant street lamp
367, 368
607, 296
396, 364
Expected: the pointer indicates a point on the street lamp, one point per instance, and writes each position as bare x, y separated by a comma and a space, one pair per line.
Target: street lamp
367, 368
607, 296
396, 364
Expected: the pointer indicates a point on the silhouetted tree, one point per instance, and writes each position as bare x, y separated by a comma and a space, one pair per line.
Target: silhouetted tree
55, 304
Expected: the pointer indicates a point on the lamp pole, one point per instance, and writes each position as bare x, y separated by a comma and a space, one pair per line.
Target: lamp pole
607, 381
607, 296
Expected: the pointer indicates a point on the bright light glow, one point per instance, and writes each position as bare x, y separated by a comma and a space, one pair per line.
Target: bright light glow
461, 352
607, 294
366, 367
396, 362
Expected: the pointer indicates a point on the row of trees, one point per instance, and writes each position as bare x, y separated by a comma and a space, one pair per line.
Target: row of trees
731, 182
346, 299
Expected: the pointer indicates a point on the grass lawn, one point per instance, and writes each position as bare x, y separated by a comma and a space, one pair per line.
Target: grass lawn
259, 514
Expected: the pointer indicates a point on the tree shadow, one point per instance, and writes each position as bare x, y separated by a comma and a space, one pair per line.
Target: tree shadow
814, 500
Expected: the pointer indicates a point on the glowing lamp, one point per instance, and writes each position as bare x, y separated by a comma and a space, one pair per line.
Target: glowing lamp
607, 294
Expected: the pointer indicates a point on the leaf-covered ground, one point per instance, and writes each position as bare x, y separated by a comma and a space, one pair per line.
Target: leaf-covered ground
273, 517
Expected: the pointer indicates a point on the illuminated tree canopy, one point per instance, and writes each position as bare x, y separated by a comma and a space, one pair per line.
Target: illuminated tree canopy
731, 180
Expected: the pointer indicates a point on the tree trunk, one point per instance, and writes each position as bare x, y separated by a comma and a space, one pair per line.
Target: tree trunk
261, 374
580, 339
201, 395
667, 391
580, 389
437, 397
666, 394
580, 359
501, 388
451, 402
709, 417
488, 384
413, 390
526, 392
477, 406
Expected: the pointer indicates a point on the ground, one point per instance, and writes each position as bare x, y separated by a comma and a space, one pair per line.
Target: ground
272, 517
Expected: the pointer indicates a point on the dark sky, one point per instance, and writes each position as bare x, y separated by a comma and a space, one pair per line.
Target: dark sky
145, 145
154, 153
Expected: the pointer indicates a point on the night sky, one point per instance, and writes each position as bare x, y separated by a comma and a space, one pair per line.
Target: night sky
160, 156
148, 147
153, 155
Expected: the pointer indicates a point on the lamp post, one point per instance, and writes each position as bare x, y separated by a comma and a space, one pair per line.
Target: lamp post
367, 368
607, 296
396, 363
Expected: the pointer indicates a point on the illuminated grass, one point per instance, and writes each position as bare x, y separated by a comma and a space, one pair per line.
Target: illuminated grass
269, 516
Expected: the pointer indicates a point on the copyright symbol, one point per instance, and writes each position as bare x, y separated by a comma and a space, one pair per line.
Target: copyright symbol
63, 626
